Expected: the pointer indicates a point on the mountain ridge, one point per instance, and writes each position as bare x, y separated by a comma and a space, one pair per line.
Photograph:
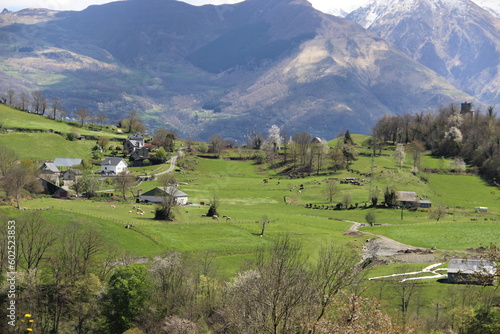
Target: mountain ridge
302, 69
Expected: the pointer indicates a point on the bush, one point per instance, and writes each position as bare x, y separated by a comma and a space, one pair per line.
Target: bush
70, 136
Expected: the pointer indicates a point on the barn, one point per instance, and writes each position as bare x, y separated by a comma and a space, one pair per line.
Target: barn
158, 194
465, 271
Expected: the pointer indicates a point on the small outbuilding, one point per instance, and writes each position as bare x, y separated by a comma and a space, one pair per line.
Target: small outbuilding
72, 174
464, 271
53, 190
158, 194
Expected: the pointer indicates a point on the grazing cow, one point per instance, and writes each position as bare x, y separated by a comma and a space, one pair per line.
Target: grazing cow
228, 218
215, 217
112, 206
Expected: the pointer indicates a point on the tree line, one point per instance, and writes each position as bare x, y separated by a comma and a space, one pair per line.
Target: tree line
460, 134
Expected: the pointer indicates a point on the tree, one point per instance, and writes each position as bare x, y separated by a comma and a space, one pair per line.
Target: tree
302, 141
20, 178
101, 118
437, 211
370, 217
390, 196
274, 139
215, 145
7, 159
346, 200
88, 183
374, 192
405, 290
23, 100
82, 114
39, 102
124, 182
165, 209
337, 267
255, 140
133, 123
56, 107
331, 190
127, 296
273, 297
263, 222
164, 138
320, 150
35, 238
214, 206
10, 96
416, 148
348, 139
160, 156
103, 142
400, 155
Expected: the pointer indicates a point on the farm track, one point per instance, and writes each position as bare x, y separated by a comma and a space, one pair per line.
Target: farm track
383, 246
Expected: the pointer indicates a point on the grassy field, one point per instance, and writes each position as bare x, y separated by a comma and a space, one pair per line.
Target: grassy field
45, 146
12, 118
246, 197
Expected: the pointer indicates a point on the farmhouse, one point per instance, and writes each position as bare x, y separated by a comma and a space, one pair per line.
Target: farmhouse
410, 199
113, 166
471, 271
133, 143
49, 168
158, 194
406, 198
50, 172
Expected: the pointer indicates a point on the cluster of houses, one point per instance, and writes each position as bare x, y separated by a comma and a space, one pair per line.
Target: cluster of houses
134, 148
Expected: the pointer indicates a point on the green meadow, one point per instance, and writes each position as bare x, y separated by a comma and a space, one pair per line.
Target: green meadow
251, 193
12, 118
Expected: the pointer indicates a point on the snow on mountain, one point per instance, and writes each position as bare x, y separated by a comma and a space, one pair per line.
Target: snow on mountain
456, 38
492, 6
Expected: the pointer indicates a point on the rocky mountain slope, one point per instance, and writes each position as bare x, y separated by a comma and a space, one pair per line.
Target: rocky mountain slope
224, 69
456, 38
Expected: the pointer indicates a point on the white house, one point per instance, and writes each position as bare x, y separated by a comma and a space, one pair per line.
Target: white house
158, 194
113, 166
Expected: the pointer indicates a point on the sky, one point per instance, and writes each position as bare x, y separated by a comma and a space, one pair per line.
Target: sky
323, 5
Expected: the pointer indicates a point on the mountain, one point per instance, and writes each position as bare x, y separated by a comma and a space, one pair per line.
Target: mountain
456, 38
492, 6
226, 69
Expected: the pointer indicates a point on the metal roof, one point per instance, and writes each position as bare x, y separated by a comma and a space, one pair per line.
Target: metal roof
160, 191
67, 162
464, 266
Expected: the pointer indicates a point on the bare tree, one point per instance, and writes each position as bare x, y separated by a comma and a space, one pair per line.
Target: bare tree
273, 297
303, 142
7, 159
35, 238
39, 102
101, 118
82, 114
331, 190
56, 107
124, 182
10, 97
437, 211
23, 100
20, 178
337, 268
